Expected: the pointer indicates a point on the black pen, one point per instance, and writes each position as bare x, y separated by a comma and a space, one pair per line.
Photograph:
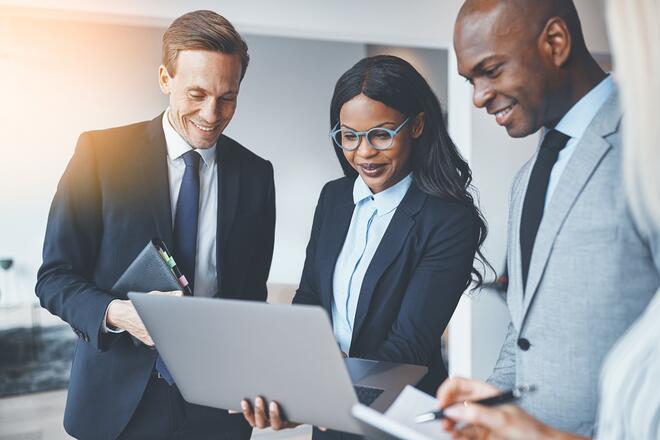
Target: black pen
499, 399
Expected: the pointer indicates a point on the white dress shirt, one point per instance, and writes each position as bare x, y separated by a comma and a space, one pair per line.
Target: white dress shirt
574, 124
371, 217
206, 280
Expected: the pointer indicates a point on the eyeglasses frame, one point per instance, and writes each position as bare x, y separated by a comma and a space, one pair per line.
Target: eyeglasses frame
365, 134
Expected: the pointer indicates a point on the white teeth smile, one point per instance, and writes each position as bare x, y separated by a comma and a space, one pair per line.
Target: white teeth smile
504, 112
201, 127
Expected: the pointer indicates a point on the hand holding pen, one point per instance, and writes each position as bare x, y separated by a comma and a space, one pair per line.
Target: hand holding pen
472, 420
497, 399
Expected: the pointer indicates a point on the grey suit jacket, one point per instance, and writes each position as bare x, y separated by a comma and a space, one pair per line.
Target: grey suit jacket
591, 275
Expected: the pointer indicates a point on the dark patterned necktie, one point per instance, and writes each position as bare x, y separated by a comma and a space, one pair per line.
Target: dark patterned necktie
186, 217
534, 204
185, 232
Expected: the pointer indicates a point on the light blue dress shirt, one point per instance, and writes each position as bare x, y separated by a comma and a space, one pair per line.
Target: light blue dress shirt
371, 216
574, 124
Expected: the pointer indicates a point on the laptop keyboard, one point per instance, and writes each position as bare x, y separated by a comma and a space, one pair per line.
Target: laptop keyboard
367, 395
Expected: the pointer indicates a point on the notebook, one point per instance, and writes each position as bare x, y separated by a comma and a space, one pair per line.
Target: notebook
398, 422
153, 269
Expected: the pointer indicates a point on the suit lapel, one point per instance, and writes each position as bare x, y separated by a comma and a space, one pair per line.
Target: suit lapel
338, 223
389, 248
514, 265
153, 160
588, 154
229, 172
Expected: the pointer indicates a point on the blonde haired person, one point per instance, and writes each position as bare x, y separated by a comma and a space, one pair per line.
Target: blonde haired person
629, 406
630, 383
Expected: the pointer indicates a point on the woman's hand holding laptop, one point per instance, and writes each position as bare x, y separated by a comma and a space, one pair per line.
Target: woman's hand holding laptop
257, 417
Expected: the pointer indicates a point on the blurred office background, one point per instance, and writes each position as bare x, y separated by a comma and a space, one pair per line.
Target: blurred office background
70, 66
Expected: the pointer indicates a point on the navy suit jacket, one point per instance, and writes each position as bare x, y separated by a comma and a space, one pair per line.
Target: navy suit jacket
114, 197
413, 283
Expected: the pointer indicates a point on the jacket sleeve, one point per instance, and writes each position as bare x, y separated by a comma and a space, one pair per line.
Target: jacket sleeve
73, 235
433, 292
308, 290
504, 372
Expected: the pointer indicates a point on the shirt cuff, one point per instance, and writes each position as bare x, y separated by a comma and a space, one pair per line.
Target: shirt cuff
105, 328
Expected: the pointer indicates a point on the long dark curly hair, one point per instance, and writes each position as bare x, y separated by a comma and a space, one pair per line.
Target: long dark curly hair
437, 166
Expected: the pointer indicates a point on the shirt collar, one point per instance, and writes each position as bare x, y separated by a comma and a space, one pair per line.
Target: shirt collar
575, 122
385, 201
177, 145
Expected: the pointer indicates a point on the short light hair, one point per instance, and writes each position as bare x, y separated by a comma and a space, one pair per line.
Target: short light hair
634, 27
202, 30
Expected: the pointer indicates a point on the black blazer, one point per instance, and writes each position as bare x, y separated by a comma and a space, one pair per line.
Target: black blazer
413, 283
114, 197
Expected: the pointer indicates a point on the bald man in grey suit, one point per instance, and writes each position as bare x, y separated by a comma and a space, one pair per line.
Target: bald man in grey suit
579, 271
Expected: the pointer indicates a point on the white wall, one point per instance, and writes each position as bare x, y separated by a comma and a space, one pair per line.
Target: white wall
420, 23
592, 16
60, 78
430, 63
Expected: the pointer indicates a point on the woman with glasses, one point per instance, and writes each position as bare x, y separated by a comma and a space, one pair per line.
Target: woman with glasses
393, 242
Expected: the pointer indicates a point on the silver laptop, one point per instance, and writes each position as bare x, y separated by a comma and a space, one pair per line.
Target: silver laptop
222, 351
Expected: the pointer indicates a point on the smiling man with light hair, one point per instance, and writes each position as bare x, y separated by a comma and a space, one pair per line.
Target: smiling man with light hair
178, 178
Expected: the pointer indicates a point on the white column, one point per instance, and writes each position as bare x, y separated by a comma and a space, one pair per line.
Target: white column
460, 128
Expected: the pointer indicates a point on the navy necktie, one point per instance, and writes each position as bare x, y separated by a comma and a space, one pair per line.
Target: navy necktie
186, 217
185, 232
532, 213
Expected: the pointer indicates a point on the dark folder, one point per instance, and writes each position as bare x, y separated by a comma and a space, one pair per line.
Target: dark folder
148, 272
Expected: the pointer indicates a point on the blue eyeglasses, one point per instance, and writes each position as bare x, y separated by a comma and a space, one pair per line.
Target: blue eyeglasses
379, 138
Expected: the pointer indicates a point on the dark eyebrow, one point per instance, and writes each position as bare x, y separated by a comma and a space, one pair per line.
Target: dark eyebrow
375, 126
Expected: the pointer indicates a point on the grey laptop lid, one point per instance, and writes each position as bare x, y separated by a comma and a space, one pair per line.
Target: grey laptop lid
222, 351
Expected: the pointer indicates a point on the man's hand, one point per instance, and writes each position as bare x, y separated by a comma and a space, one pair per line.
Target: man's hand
122, 314
488, 423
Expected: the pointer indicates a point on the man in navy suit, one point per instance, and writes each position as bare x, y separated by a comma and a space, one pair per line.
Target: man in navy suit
178, 178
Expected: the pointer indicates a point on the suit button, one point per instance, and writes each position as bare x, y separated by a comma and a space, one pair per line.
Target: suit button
524, 344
